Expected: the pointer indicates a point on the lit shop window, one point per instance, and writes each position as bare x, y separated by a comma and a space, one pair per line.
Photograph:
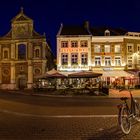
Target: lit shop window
84, 59
83, 43
64, 44
74, 58
107, 61
74, 44
64, 58
97, 61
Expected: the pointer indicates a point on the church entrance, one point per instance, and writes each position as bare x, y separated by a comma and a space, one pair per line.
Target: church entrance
22, 82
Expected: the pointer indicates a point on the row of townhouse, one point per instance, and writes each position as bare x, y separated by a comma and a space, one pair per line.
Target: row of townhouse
100, 49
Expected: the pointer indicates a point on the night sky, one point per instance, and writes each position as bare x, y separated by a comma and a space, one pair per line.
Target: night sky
49, 14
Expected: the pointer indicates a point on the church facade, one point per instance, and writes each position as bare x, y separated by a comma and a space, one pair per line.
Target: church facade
23, 54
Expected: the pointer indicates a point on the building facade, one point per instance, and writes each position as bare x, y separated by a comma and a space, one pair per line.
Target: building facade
23, 54
73, 50
110, 51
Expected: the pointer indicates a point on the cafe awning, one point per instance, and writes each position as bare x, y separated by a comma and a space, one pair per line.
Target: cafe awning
84, 74
51, 74
116, 73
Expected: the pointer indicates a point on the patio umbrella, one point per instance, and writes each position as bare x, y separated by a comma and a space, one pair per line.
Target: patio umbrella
42, 76
84, 74
52, 71
55, 74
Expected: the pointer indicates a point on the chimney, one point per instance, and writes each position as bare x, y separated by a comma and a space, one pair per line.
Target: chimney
86, 25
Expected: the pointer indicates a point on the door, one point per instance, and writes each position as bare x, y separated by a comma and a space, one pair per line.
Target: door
22, 83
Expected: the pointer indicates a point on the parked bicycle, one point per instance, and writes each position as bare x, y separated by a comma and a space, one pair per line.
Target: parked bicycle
128, 113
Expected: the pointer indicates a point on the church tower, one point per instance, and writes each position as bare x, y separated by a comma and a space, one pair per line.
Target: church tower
22, 26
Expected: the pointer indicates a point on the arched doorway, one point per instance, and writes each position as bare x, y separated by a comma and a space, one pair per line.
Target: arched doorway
22, 82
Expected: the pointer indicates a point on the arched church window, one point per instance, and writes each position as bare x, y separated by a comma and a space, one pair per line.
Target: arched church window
5, 54
21, 51
37, 54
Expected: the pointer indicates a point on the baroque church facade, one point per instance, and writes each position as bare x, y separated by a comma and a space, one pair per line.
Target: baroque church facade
24, 54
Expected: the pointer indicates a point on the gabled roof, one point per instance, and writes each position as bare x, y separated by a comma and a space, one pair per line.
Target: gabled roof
73, 30
34, 35
87, 30
100, 31
7, 36
21, 17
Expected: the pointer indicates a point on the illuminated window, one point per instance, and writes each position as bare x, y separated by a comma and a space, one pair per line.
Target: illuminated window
97, 61
138, 60
84, 58
5, 54
74, 58
37, 54
97, 49
107, 61
117, 61
138, 48
117, 48
129, 61
64, 58
83, 43
64, 44
129, 57
107, 48
74, 44
129, 48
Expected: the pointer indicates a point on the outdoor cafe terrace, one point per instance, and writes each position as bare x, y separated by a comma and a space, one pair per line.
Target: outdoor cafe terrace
74, 81
82, 81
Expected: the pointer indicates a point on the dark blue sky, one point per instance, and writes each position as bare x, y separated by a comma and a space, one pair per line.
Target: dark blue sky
48, 14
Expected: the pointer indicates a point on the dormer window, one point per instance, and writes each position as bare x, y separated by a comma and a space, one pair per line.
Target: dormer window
107, 33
